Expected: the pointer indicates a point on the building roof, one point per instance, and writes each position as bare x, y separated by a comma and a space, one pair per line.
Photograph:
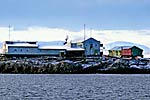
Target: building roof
43, 47
22, 45
75, 49
124, 47
91, 39
53, 47
12, 42
61, 48
120, 47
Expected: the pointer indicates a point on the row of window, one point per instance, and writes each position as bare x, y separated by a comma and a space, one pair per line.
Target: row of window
20, 50
26, 50
91, 45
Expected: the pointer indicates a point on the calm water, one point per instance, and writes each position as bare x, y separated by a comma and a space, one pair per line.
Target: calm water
74, 87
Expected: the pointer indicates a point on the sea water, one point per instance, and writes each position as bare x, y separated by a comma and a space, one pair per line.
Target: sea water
74, 87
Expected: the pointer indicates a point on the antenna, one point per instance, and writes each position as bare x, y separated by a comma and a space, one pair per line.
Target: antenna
84, 32
84, 44
9, 31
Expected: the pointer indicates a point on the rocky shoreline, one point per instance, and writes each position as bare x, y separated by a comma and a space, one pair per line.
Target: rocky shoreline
60, 66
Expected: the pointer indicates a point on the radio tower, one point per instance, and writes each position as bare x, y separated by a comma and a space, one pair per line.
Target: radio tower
9, 31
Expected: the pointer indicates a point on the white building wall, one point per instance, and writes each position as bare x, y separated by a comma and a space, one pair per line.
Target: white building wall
22, 50
29, 48
33, 51
50, 52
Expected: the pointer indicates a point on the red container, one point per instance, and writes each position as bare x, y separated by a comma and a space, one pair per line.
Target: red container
126, 52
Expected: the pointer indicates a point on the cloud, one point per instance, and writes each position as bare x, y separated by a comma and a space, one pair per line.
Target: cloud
52, 34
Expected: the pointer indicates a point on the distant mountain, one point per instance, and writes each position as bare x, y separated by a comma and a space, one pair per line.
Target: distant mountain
123, 43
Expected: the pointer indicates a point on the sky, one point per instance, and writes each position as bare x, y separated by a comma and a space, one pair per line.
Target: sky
105, 20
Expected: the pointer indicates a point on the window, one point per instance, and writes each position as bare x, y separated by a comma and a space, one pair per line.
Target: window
21, 50
101, 45
15, 49
91, 46
116, 53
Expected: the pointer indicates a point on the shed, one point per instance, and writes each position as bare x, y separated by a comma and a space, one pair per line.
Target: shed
116, 51
132, 51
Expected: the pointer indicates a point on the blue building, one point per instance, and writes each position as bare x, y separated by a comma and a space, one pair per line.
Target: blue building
92, 47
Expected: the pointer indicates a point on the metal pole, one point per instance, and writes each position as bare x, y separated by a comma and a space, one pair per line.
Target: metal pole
9, 32
84, 32
84, 45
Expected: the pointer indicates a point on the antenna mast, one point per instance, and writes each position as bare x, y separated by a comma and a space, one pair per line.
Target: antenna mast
84, 32
9, 31
84, 45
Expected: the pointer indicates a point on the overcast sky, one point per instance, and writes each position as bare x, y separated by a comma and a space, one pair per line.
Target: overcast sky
107, 20
72, 14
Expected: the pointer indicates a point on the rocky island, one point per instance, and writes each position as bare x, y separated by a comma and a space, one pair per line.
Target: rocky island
47, 65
